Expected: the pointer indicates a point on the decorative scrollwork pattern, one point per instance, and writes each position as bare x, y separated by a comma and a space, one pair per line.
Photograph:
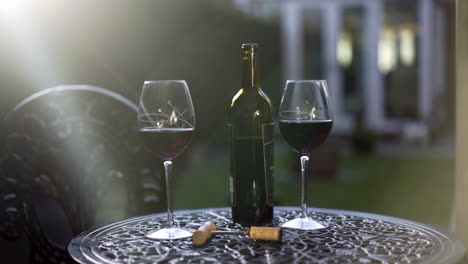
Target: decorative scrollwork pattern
350, 237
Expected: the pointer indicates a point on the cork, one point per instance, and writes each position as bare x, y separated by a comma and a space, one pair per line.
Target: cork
203, 233
265, 233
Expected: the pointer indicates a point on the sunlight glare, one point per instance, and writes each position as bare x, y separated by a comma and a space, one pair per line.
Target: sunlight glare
26, 43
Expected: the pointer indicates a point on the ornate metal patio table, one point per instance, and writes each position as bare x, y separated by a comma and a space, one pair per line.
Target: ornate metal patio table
350, 237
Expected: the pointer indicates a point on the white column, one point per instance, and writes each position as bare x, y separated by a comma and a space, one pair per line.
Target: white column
373, 84
331, 28
425, 58
292, 40
461, 133
439, 40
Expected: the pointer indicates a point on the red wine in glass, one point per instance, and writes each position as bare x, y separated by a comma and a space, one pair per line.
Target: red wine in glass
168, 143
305, 135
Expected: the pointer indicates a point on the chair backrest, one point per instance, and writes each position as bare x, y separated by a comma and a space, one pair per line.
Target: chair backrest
71, 160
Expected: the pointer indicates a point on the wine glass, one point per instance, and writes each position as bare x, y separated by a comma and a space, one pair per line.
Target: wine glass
305, 120
166, 120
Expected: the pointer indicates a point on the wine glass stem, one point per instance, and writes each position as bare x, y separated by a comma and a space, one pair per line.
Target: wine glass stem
304, 166
170, 212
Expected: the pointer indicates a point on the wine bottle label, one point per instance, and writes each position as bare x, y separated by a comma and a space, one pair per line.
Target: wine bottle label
232, 167
268, 160
232, 193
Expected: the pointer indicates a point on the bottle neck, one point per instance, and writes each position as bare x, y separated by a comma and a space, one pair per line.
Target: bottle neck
250, 76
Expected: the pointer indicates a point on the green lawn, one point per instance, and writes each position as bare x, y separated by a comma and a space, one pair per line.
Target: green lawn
415, 188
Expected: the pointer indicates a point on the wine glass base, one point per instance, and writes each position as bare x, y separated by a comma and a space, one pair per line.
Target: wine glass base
306, 223
169, 233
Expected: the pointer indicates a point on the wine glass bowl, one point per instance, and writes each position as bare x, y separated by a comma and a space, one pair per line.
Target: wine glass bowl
166, 120
305, 121
166, 103
166, 117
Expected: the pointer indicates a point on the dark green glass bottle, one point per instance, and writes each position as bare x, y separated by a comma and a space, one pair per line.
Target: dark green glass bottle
251, 123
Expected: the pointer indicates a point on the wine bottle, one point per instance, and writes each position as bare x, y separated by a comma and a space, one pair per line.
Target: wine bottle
250, 126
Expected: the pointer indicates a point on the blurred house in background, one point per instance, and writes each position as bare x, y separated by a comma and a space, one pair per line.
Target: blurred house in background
388, 62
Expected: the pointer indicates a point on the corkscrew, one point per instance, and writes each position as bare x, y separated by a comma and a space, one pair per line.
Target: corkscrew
205, 231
